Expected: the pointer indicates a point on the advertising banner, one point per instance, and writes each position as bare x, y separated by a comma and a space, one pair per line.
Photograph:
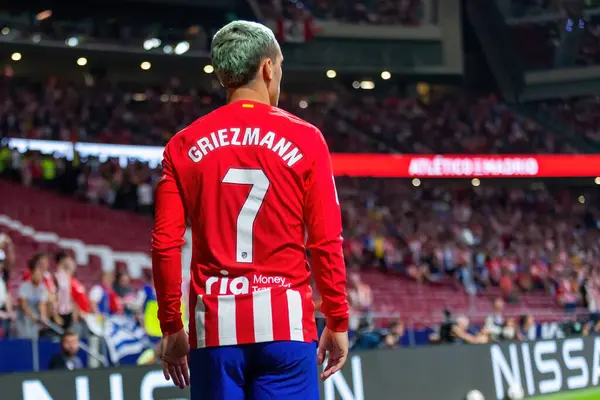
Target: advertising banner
466, 166
422, 373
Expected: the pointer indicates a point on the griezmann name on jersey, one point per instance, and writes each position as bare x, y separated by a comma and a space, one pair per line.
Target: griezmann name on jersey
256, 185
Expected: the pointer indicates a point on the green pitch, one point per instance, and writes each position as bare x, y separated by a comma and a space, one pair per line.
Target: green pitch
586, 394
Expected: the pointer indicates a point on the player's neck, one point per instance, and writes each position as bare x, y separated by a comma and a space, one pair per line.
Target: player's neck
247, 94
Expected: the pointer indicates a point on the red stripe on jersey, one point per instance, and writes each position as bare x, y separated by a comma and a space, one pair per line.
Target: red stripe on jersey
244, 320
211, 320
281, 318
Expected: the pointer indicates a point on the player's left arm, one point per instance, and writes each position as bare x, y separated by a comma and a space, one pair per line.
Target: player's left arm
324, 223
167, 239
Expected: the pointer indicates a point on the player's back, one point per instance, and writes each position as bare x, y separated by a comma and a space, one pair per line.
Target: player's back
241, 172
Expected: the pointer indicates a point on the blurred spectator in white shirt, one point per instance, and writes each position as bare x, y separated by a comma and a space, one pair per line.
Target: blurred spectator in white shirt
360, 298
495, 322
6, 307
33, 301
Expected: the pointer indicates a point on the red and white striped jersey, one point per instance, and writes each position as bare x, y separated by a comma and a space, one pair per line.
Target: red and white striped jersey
264, 315
257, 185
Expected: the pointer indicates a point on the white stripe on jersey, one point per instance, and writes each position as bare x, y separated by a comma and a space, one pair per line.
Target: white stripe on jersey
294, 301
226, 317
200, 327
263, 315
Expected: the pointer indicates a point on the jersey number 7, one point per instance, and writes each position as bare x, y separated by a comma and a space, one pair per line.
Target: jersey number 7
245, 221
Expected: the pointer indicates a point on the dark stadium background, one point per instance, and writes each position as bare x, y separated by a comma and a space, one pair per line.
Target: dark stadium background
466, 148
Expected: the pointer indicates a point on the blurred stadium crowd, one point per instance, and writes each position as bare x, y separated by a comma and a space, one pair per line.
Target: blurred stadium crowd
414, 249
440, 235
451, 124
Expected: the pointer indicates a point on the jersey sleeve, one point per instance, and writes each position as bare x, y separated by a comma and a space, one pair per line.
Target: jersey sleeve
324, 225
167, 239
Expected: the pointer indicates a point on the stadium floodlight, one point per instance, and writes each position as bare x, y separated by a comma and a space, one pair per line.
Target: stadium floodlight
145, 65
181, 48
331, 74
81, 61
72, 42
416, 182
168, 49
16, 56
597, 180
209, 69
152, 43
367, 85
5, 31
385, 75
43, 15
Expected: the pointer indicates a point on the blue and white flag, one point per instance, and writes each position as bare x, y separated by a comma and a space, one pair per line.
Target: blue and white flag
124, 337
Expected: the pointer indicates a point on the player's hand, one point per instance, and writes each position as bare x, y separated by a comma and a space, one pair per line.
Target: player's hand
174, 350
334, 346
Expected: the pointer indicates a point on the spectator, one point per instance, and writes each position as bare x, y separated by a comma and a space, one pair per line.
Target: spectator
527, 328
65, 267
103, 299
145, 197
460, 332
33, 301
392, 337
43, 261
146, 303
6, 307
123, 289
8, 248
495, 322
67, 358
360, 298
592, 327
509, 331
80, 297
507, 287
568, 294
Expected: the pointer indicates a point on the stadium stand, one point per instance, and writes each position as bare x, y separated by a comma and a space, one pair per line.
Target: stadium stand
453, 124
406, 12
379, 234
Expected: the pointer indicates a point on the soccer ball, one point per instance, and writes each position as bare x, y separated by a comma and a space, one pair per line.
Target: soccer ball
515, 392
475, 395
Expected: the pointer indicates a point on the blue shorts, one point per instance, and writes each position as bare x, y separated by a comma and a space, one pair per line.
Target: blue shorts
260, 371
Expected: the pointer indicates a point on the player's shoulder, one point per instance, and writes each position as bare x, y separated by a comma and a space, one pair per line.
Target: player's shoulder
294, 119
304, 129
187, 134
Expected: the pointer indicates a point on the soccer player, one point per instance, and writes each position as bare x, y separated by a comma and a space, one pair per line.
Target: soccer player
257, 185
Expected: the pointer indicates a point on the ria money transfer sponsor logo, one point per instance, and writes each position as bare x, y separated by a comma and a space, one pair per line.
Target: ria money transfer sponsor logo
243, 285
